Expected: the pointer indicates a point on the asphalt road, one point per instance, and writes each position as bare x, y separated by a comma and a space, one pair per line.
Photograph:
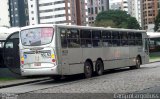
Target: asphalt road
144, 80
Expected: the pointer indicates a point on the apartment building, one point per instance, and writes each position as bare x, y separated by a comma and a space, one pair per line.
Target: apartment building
4, 15
58, 12
150, 11
18, 10
115, 6
95, 7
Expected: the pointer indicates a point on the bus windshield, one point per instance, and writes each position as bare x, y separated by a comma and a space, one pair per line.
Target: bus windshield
36, 36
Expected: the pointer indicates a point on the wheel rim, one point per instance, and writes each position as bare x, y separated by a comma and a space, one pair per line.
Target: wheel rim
87, 71
138, 62
99, 69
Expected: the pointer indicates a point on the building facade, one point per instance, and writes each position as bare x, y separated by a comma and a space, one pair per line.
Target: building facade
126, 6
4, 15
95, 7
18, 10
115, 6
150, 11
58, 12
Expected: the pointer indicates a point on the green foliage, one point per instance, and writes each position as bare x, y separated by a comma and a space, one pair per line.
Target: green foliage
157, 22
116, 19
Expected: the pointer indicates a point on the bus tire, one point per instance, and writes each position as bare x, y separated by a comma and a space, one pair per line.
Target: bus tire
99, 68
88, 70
138, 63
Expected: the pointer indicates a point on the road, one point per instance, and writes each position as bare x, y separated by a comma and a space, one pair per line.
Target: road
146, 79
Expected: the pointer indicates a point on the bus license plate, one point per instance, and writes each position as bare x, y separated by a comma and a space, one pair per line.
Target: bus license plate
37, 64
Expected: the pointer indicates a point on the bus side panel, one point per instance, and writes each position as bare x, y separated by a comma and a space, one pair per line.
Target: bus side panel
93, 54
108, 53
75, 60
133, 53
124, 56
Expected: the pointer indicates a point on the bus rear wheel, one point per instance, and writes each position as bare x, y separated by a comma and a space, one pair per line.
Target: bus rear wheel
138, 63
88, 70
99, 68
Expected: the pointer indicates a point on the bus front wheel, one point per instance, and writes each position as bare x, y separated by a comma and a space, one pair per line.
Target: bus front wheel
88, 70
99, 68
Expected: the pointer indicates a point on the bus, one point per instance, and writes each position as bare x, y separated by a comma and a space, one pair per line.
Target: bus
154, 44
10, 50
60, 50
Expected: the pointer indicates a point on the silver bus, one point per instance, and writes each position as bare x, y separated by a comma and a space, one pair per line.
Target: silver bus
66, 50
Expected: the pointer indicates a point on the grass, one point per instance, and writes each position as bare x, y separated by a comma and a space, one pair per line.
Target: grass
6, 79
154, 56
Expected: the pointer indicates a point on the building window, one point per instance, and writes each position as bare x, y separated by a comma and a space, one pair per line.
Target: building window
96, 10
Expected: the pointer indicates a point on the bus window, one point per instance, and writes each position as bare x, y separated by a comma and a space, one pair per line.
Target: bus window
106, 37
96, 38
131, 39
73, 38
115, 38
86, 38
37, 36
138, 39
124, 39
63, 38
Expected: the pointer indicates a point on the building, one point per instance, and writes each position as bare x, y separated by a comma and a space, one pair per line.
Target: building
4, 15
115, 6
136, 10
126, 6
150, 11
18, 10
95, 7
58, 12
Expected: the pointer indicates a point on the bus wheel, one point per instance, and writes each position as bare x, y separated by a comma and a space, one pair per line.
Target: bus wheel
87, 70
99, 68
138, 63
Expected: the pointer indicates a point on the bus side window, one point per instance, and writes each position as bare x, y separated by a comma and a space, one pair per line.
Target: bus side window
106, 38
73, 38
115, 38
63, 38
124, 39
131, 39
96, 38
138, 39
85, 36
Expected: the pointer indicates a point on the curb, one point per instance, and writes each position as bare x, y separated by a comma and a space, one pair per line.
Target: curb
22, 83
153, 62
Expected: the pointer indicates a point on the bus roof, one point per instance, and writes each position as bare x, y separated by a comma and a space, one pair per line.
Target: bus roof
82, 27
153, 34
5, 32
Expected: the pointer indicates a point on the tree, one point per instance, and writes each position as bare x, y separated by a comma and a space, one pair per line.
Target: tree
116, 19
157, 22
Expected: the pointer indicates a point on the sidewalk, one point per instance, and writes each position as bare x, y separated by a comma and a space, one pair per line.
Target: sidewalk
21, 81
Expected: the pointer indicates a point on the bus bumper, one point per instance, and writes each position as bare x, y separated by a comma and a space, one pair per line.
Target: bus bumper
39, 71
